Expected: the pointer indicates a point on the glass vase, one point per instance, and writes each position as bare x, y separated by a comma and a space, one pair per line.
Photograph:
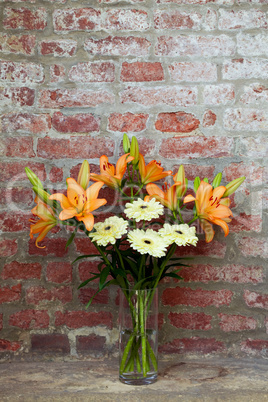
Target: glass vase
138, 336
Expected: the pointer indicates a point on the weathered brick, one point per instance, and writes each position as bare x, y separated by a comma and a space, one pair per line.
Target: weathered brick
59, 272
20, 270
246, 119
17, 147
93, 344
24, 18
18, 44
93, 72
6, 345
54, 99
244, 222
10, 294
176, 122
252, 147
245, 69
86, 294
118, 46
193, 321
255, 93
29, 319
201, 46
233, 273
214, 249
196, 147
255, 347
74, 147
128, 122
21, 72
56, 174
78, 123
80, 319
1, 321
250, 246
236, 323
53, 343
37, 294
26, 122
209, 118
221, 94
200, 2
55, 247
177, 20
253, 172
172, 96
8, 247
58, 48
256, 300
196, 297
210, 20
252, 45
141, 71
192, 345
15, 171
16, 195
245, 19
14, 221
193, 71
18, 96
125, 20
76, 19
266, 324
57, 73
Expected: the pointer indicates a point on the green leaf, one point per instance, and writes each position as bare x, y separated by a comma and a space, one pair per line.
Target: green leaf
85, 256
87, 281
217, 180
71, 238
205, 180
197, 182
103, 276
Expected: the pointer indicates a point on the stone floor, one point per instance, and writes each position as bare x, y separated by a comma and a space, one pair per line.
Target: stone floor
206, 379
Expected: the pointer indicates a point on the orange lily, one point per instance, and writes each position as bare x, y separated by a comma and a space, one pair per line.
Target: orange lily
79, 203
110, 175
211, 208
167, 196
45, 224
152, 172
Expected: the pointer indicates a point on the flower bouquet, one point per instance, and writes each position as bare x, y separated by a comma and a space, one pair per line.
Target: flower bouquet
136, 245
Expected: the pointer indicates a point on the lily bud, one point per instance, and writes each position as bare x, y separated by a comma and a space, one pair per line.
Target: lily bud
197, 182
84, 175
33, 178
233, 186
126, 144
43, 195
180, 176
205, 180
217, 180
134, 150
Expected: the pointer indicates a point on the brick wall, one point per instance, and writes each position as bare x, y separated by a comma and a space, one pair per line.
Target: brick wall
188, 77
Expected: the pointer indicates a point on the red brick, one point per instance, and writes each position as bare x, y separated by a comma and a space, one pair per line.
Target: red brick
192, 171
125, 19
178, 122
266, 324
201, 2
255, 347
80, 319
37, 294
85, 295
127, 122
74, 147
59, 272
15, 171
256, 300
244, 222
78, 123
254, 173
172, 96
118, 46
8, 247
29, 319
6, 345
192, 345
245, 19
193, 321
239, 69
22, 96
233, 273
17, 147
177, 20
236, 323
93, 344
20, 270
76, 19
255, 93
250, 246
58, 48
196, 297
16, 195
84, 246
251, 45
16, 72
57, 73
14, 221
54, 343
221, 94
141, 71
193, 71
209, 119
10, 294
18, 44
53, 246
54, 99
26, 122
56, 174
246, 120
93, 72
86, 268
1, 321
214, 249
24, 18
196, 147
200, 46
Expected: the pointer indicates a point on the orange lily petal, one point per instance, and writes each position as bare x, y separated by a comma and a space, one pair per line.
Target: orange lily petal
208, 229
188, 198
62, 199
67, 213
88, 221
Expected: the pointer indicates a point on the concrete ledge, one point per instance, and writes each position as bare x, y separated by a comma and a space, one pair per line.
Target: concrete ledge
206, 379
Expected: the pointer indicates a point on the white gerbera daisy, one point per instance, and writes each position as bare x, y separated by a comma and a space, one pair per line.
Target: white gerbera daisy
147, 242
108, 231
182, 235
144, 210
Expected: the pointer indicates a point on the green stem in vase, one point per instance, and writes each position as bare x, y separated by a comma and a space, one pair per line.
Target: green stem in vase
143, 336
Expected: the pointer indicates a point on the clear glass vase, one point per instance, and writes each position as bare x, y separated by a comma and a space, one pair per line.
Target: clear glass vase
138, 336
